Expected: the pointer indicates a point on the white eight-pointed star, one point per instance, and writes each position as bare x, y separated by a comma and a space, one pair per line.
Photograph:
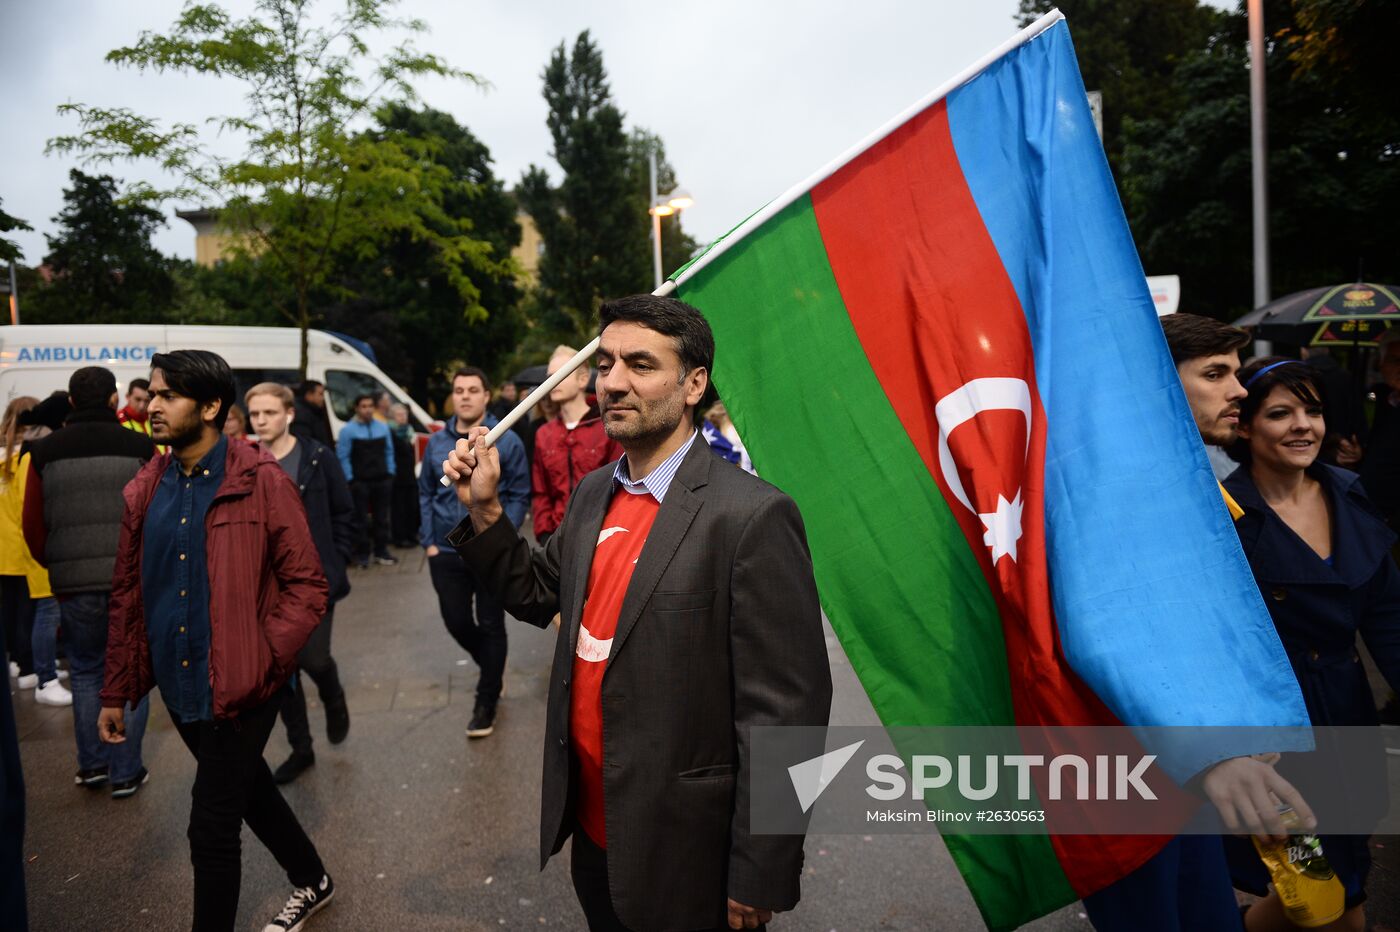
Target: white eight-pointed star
1003, 528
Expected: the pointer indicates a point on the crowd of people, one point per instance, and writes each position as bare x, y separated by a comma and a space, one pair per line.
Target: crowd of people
197, 543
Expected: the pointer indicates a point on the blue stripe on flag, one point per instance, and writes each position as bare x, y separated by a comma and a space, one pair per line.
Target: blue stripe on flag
1157, 608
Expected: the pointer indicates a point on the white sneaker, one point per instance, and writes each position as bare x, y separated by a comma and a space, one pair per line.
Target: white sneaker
14, 669
62, 673
28, 681
53, 693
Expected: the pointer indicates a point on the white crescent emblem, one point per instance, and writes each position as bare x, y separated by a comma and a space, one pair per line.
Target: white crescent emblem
591, 649
607, 532
1003, 526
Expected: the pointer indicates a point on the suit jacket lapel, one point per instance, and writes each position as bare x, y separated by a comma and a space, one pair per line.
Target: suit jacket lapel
672, 521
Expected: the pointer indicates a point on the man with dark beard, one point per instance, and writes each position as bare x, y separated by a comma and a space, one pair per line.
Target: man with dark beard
689, 615
217, 587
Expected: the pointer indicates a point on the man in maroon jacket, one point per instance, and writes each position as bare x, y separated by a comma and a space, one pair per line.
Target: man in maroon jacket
217, 587
567, 448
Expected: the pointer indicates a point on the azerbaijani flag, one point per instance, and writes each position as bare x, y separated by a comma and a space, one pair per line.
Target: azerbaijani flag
943, 347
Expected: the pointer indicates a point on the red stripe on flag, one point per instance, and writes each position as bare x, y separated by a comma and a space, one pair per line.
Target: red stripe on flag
935, 311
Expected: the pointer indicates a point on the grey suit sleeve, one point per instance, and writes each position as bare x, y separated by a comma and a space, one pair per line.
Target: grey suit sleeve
781, 677
524, 578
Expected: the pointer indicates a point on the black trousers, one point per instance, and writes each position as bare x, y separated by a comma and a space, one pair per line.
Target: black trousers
372, 514
233, 785
315, 661
12, 900
588, 867
484, 637
404, 511
17, 610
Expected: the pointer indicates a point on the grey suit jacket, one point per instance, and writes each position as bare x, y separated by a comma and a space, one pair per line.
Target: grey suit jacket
720, 630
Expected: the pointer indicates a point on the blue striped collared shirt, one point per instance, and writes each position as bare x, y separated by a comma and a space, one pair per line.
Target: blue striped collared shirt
659, 479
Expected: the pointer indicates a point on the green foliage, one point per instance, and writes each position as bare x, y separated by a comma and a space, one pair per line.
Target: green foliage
9, 249
594, 224
304, 190
400, 300
103, 266
1334, 162
234, 293
1130, 51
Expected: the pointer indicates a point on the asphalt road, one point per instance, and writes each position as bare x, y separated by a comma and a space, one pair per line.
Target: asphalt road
422, 829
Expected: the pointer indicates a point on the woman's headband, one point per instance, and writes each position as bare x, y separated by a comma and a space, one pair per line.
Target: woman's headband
1255, 377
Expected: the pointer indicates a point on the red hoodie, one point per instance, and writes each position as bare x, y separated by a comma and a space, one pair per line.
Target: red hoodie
562, 458
266, 589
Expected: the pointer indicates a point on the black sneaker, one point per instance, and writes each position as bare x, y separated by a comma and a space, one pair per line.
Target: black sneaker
386, 559
362, 563
293, 766
121, 789
337, 720
91, 778
301, 906
483, 720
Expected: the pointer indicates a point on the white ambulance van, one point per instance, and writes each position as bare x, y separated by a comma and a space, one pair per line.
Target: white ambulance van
38, 359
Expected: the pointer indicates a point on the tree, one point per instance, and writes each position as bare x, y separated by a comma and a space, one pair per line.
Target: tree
426, 329
1129, 51
305, 189
102, 265
9, 249
1334, 166
595, 237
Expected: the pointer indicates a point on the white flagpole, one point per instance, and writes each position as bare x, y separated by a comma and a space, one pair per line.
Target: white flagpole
943, 90
530, 400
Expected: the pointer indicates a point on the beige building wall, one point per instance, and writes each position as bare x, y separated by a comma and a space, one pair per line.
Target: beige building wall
531, 247
211, 245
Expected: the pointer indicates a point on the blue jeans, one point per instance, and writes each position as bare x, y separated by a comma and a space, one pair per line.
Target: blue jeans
45, 639
85, 625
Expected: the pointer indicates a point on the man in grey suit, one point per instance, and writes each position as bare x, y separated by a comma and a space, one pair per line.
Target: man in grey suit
690, 615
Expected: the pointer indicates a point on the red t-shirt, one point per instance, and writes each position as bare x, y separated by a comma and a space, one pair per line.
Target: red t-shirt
624, 533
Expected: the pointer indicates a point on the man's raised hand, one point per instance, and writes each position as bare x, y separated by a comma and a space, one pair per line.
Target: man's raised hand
475, 468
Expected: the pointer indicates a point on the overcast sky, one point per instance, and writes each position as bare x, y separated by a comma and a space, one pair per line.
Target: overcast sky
750, 96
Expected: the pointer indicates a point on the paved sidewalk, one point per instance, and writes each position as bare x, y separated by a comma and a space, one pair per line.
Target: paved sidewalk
421, 829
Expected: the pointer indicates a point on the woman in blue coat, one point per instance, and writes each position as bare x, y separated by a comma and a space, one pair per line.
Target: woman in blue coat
1320, 553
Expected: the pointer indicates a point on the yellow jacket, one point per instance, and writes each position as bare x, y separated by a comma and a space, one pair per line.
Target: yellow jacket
15, 558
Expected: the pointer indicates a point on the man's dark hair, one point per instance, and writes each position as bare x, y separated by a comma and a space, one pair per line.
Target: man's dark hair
363, 396
91, 387
201, 375
472, 370
307, 387
142, 384
1191, 336
695, 343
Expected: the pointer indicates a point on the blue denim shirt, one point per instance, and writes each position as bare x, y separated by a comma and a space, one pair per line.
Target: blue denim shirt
438, 508
175, 584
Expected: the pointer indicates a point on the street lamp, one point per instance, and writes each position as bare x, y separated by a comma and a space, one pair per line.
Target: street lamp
678, 201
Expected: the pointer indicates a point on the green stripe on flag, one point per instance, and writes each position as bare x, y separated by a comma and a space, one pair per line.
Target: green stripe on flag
897, 579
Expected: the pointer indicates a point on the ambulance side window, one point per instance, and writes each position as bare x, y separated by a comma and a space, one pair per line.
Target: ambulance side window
342, 388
